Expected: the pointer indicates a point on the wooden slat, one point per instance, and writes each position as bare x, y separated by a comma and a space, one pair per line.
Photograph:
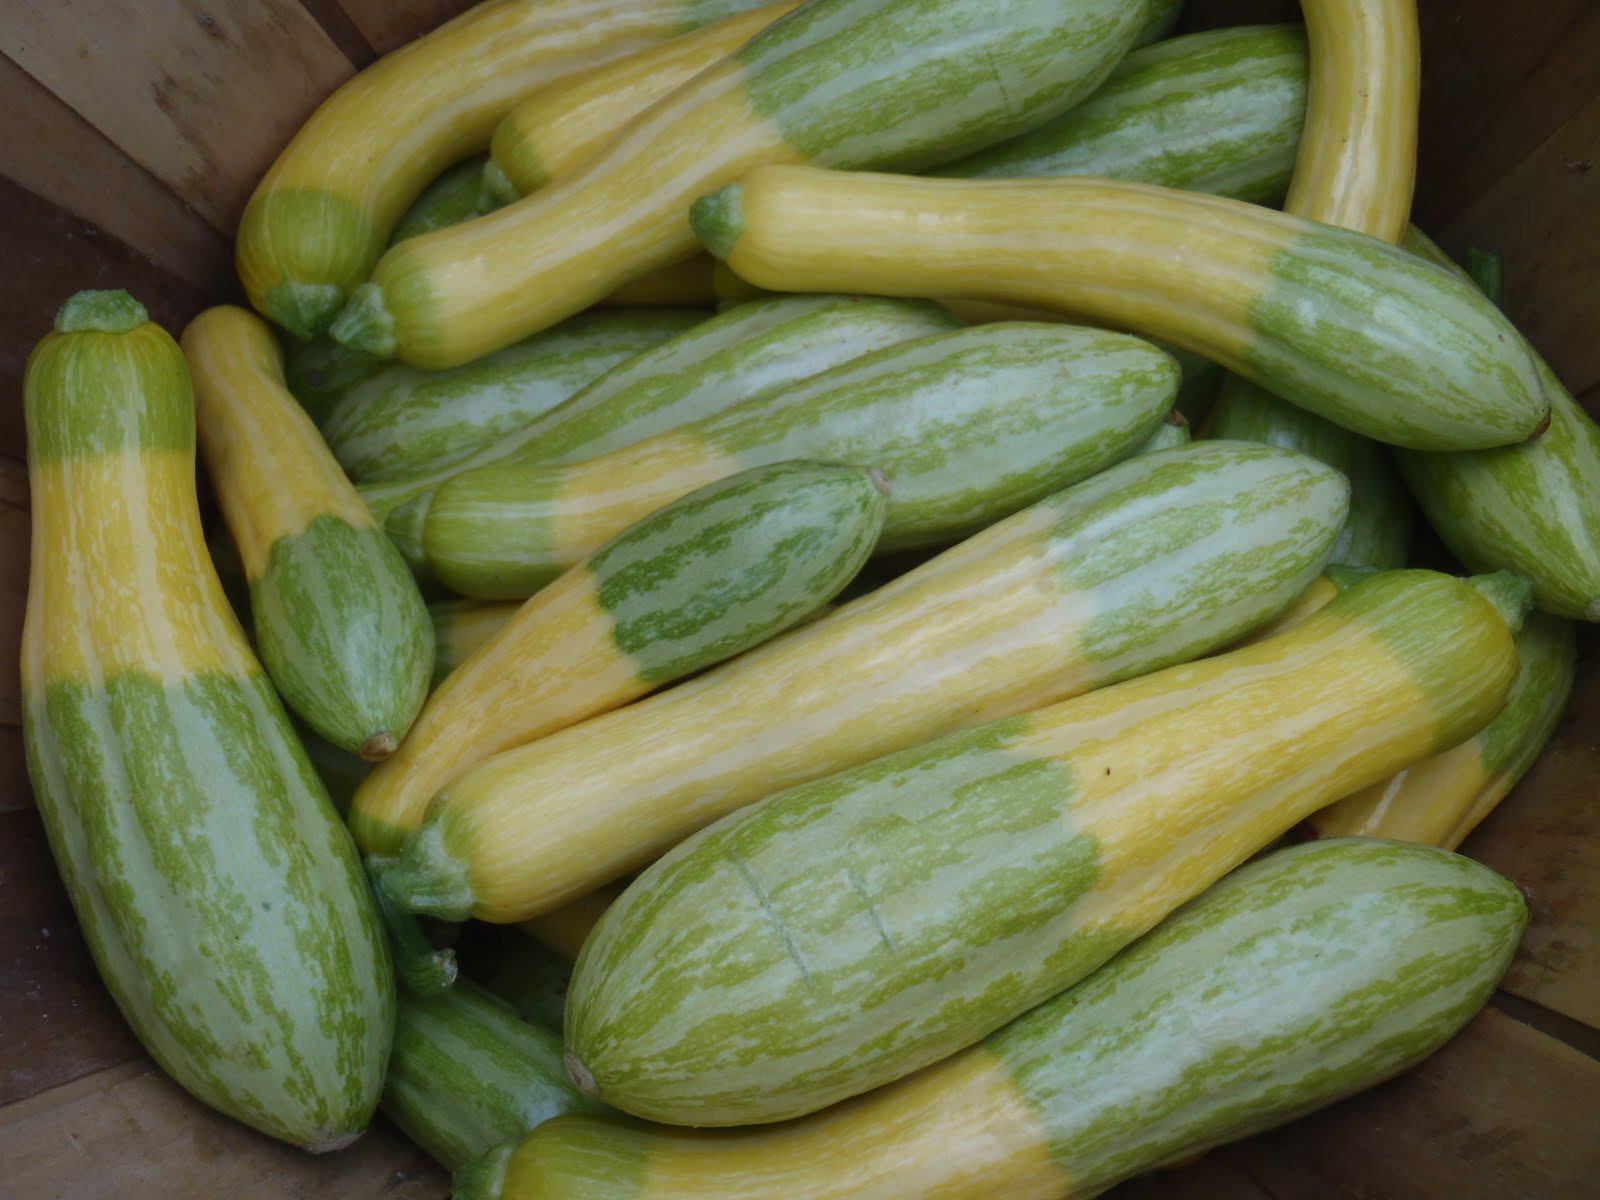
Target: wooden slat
336, 23
1544, 217
1476, 55
1550, 95
1211, 1177
387, 24
1546, 837
1502, 1111
53, 152
132, 1134
57, 1021
13, 598
203, 95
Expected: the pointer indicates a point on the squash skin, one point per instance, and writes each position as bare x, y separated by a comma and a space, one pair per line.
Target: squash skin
217, 888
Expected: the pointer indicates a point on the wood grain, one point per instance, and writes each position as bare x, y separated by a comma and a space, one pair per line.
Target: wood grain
1546, 837
130, 1133
1543, 215
55, 153
1502, 1111
202, 94
1477, 55
387, 24
336, 23
57, 1021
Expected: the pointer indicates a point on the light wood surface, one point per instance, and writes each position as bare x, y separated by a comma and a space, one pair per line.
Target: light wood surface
132, 135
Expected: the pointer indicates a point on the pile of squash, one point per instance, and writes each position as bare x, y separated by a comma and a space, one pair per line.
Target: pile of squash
960, 777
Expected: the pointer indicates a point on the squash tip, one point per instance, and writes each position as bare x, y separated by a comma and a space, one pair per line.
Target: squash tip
379, 746
498, 188
582, 1078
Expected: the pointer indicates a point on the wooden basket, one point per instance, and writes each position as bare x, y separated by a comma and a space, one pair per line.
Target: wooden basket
132, 135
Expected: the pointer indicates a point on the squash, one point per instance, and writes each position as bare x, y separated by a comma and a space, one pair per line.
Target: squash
1284, 301
217, 888
969, 426
342, 629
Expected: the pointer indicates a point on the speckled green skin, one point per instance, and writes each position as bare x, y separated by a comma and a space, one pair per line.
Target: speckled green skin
969, 426
467, 1073
401, 421
1216, 112
344, 632
909, 83
1547, 648
455, 196
1533, 509
1302, 978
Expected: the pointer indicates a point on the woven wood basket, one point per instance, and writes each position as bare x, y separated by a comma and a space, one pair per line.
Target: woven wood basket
132, 135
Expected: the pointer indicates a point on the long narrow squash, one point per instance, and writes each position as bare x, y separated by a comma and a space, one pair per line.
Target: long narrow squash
341, 626
1533, 509
1219, 112
847, 83
1298, 980
467, 1073
217, 888
1154, 561
455, 196
728, 359
847, 932
969, 426
1286, 302
1356, 168
1440, 800
718, 571
556, 130
322, 214
400, 421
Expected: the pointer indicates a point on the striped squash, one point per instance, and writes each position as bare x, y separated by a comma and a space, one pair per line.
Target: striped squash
703, 578
322, 214
847, 932
467, 1073
1154, 561
455, 196
845, 83
968, 425
1439, 800
1282, 300
1219, 112
557, 130
728, 359
1298, 980
399, 421
341, 626
217, 889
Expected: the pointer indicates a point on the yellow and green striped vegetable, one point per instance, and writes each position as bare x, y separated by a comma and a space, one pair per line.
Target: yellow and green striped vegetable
341, 627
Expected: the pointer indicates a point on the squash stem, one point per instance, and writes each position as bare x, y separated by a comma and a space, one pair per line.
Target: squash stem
101, 312
718, 219
428, 878
424, 970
